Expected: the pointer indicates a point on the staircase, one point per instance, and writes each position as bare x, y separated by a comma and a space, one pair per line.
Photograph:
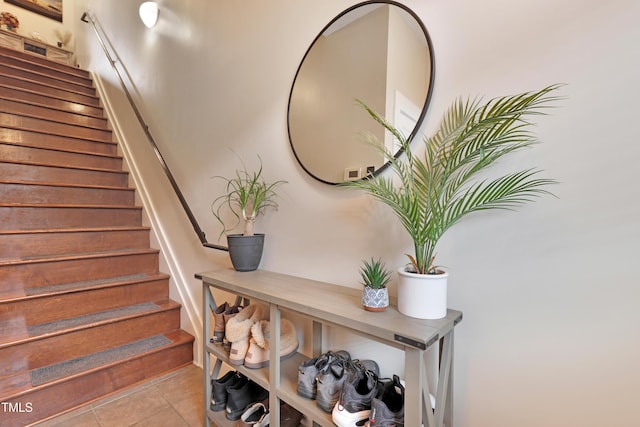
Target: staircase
84, 310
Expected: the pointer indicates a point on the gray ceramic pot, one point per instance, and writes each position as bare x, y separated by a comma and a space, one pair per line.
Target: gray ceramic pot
245, 251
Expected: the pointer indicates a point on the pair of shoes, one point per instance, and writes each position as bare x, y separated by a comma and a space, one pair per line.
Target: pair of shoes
332, 377
221, 315
219, 393
354, 405
238, 331
242, 395
258, 416
387, 407
258, 352
308, 371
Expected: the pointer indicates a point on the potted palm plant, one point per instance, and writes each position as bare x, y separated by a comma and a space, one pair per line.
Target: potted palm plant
375, 277
247, 196
436, 190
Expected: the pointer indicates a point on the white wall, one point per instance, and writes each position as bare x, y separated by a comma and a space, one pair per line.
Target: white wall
549, 294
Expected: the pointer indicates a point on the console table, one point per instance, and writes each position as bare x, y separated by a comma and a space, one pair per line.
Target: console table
338, 306
35, 47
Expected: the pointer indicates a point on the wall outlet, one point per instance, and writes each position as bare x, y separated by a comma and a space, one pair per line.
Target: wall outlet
352, 174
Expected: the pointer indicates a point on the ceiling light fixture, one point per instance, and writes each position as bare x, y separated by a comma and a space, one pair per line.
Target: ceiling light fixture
149, 13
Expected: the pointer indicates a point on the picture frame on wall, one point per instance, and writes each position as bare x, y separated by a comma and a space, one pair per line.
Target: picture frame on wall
49, 8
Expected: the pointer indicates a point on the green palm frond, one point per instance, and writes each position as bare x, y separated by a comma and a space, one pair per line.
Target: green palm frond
439, 189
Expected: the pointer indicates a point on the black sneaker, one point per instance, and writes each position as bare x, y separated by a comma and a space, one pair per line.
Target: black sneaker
219, 390
241, 396
354, 407
387, 409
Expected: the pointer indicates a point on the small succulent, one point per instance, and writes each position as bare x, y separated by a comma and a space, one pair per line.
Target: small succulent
374, 274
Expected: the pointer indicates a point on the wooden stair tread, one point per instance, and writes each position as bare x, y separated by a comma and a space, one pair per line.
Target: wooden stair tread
27, 89
82, 286
74, 230
17, 121
46, 79
43, 62
37, 139
13, 336
66, 205
78, 256
70, 91
19, 386
43, 72
44, 112
63, 150
63, 166
85, 80
63, 184
51, 118
51, 91
43, 100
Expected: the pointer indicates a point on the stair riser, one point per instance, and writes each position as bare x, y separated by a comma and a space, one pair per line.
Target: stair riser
45, 113
72, 304
43, 140
35, 98
38, 63
33, 193
38, 125
45, 79
52, 273
53, 73
22, 245
36, 173
37, 218
17, 153
53, 349
49, 91
63, 396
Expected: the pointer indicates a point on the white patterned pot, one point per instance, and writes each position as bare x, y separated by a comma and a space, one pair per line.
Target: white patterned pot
423, 296
375, 299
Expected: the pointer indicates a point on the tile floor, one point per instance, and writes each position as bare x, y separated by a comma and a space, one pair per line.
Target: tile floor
174, 400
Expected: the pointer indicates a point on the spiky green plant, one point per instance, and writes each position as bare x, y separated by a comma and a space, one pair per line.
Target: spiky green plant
247, 196
437, 190
375, 274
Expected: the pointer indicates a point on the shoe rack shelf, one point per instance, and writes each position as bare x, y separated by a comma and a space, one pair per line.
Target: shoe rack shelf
338, 306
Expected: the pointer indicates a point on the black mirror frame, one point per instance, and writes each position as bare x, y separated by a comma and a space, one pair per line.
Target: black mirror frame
427, 100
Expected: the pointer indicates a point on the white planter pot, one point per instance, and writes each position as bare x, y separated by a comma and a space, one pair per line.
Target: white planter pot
423, 296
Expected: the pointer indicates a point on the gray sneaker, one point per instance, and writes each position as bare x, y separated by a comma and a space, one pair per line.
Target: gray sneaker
308, 371
354, 407
331, 376
387, 408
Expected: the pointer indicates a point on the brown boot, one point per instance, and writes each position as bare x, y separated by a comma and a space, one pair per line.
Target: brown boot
218, 328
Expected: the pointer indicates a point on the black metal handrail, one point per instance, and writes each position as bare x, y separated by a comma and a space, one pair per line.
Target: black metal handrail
196, 227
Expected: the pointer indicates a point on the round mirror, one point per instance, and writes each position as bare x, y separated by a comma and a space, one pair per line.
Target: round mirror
378, 52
